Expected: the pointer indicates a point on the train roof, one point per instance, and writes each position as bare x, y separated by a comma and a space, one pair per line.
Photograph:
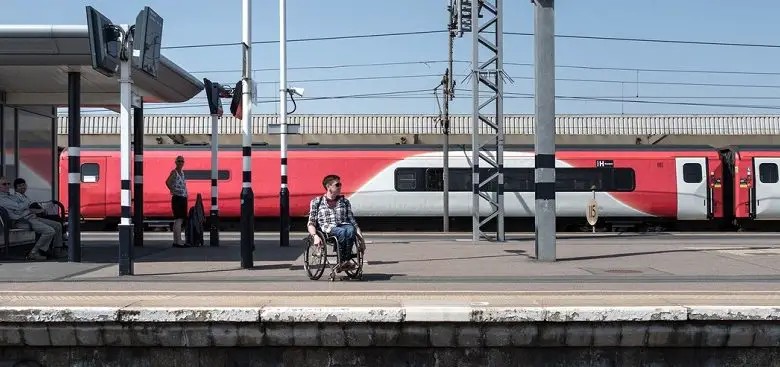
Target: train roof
406, 147
757, 148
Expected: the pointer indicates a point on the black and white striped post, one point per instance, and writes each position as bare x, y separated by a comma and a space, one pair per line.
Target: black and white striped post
213, 94
214, 217
247, 196
74, 167
284, 193
125, 224
138, 173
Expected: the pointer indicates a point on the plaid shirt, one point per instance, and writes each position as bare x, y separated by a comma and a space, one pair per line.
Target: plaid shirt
326, 218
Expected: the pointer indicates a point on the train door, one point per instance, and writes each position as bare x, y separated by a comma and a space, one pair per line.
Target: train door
692, 193
93, 187
767, 189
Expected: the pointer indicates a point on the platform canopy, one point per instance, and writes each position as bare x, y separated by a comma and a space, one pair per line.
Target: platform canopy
35, 61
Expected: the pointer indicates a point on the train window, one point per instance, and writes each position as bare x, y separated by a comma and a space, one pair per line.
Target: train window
460, 179
202, 174
767, 173
434, 179
517, 179
692, 173
90, 172
623, 179
406, 179
578, 179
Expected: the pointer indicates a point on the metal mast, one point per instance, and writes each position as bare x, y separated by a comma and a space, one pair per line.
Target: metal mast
488, 183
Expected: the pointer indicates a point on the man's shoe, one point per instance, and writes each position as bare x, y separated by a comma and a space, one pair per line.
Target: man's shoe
33, 255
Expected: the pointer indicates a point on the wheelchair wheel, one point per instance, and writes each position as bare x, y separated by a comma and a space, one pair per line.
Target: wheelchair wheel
357, 272
315, 260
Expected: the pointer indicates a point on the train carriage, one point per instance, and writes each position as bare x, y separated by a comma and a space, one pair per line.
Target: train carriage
754, 184
403, 183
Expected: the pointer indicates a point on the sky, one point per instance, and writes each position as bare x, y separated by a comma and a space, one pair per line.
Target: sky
583, 84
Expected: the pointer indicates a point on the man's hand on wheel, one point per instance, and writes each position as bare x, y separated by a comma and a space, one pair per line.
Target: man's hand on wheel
317, 240
361, 242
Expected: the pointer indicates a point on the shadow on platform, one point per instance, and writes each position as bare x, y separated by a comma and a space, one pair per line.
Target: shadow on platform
641, 253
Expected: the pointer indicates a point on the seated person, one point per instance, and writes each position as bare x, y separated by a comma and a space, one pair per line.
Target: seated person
19, 211
20, 187
332, 212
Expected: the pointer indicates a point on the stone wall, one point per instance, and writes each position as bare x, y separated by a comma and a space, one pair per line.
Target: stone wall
390, 336
386, 357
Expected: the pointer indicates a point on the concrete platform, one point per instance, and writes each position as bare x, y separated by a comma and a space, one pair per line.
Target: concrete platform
426, 300
425, 262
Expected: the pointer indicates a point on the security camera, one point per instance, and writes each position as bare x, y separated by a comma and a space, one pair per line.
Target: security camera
296, 91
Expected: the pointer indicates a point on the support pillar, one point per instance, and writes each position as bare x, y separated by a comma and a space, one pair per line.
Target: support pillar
138, 177
214, 215
284, 193
544, 134
125, 224
247, 196
74, 167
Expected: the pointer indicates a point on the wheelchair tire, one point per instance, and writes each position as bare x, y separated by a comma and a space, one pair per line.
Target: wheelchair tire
315, 274
356, 273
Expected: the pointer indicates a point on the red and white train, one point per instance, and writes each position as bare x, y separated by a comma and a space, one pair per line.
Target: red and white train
677, 187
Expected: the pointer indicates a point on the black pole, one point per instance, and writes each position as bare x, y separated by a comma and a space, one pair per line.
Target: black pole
247, 212
247, 196
284, 205
74, 167
138, 177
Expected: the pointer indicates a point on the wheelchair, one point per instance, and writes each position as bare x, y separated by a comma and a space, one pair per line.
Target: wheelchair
317, 257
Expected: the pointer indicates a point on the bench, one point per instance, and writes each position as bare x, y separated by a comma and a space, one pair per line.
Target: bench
14, 234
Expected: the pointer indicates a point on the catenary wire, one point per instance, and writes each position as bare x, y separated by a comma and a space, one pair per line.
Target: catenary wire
526, 64
331, 38
584, 80
525, 34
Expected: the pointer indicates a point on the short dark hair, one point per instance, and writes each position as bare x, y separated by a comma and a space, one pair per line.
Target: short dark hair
329, 180
18, 182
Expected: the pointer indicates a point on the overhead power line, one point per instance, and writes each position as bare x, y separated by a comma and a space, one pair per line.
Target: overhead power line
337, 66
578, 80
332, 38
525, 34
564, 66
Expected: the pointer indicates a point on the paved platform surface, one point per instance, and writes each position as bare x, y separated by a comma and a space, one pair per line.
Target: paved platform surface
718, 263
609, 300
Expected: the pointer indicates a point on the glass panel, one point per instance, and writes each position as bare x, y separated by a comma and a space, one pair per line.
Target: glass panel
692, 172
405, 179
90, 172
9, 143
205, 175
767, 173
36, 155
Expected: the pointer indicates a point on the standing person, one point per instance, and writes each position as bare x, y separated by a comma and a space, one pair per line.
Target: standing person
177, 184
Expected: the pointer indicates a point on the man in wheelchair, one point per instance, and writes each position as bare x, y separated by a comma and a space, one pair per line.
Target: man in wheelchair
332, 214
